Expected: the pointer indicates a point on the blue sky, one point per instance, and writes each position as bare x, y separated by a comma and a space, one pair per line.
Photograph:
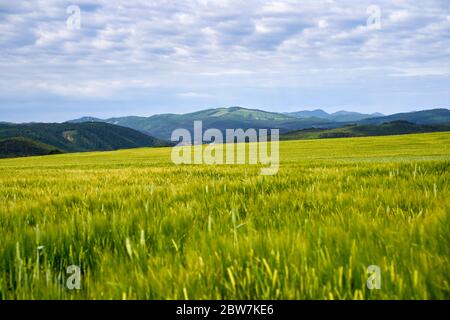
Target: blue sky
163, 56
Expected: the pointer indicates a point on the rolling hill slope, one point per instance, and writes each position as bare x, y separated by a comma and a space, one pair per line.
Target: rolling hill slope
434, 116
385, 129
21, 147
43, 138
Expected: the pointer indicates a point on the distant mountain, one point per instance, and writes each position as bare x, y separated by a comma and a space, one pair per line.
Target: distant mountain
85, 119
385, 129
162, 126
433, 116
340, 116
318, 113
346, 116
46, 138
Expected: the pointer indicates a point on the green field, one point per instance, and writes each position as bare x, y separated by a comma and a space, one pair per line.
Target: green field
140, 227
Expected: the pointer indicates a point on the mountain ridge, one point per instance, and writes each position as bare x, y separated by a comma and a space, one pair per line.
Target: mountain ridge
339, 116
162, 125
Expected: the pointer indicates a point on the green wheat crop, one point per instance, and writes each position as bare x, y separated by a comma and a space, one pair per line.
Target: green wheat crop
140, 227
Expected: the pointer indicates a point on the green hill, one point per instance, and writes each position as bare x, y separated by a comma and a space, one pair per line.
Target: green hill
43, 138
20, 147
385, 129
434, 116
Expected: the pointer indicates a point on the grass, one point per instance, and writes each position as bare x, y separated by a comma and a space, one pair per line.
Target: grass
140, 227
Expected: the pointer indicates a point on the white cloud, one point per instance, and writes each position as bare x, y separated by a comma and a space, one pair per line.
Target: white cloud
399, 16
322, 24
139, 45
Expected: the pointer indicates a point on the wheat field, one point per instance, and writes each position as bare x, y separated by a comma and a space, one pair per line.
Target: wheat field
140, 227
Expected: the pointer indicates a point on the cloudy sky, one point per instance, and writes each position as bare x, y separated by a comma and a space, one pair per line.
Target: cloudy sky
158, 56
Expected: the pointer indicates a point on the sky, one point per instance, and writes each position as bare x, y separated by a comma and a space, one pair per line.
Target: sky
61, 60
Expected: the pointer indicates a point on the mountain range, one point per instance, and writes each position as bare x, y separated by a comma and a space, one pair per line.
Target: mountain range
161, 126
94, 134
